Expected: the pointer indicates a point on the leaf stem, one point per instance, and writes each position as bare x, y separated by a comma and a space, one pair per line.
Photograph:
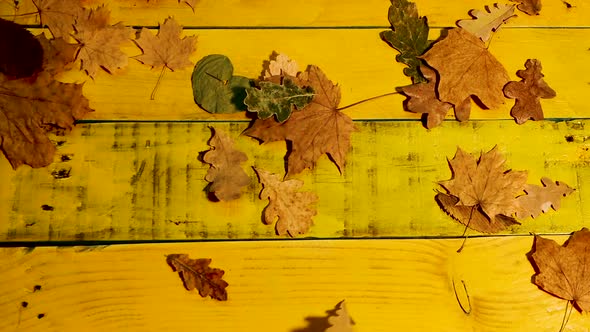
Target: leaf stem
566, 316
153, 95
20, 15
366, 100
465, 230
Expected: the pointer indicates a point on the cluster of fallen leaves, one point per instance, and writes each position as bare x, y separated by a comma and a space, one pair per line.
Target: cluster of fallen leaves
458, 69
33, 103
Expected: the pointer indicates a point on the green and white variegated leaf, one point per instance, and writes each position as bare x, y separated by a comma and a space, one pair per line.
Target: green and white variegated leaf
277, 99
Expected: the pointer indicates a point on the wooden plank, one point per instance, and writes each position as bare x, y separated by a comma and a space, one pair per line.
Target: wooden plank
302, 13
401, 285
358, 60
142, 181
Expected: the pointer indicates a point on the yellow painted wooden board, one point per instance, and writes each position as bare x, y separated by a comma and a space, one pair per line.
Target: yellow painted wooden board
317, 13
358, 60
142, 181
389, 285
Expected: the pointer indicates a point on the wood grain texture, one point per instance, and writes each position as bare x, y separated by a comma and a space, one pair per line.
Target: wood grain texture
302, 13
143, 181
401, 285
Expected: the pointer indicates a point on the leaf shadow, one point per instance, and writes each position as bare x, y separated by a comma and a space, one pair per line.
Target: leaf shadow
319, 323
266, 64
201, 157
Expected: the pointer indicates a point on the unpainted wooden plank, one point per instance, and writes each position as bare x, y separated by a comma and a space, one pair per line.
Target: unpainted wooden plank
400, 285
302, 13
143, 181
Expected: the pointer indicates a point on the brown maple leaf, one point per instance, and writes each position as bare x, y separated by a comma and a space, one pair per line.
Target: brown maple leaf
485, 22
341, 321
527, 92
539, 199
422, 99
530, 7
58, 55
564, 271
196, 274
286, 205
317, 129
225, 174
59, 15
482, 186
31, 108
100, 42
466, 69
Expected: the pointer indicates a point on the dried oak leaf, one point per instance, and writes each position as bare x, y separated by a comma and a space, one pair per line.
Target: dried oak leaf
31, 108
277, 99
100, 41
225, 174
286, 205
317, 129
422, 99
485, 22
530, 7
483, 189
59, 15
527, 92
408, 35
539, 199
197, 274
466, 69
281, 65
22, 54
341, 322
58, 55
564, 271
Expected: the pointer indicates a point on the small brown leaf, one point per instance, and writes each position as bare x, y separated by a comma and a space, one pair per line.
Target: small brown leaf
280, 66
527, 92
225, 174
564, 271
530, 7
289, 208
341, 322
539, 199
485, 22
58, 55
59, 15
196, 274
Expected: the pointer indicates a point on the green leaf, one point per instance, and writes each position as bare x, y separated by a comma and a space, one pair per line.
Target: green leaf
277, 99
408, 35
215, 88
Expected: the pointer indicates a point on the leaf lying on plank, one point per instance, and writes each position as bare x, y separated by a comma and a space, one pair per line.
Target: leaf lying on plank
197, 274
215, 88
530, 7
281, 65
225, 174
286, 205
59, 15
485, 22
408, 35
527, 92
341, 321
277, 99
539, 199
21, 54
58, 55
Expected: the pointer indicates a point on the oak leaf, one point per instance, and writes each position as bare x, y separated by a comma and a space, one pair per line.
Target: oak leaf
422, 99
466, 69
277, 99
317, 129
59, 15
482, 186
564, 271
32, 108
341, 321
527, 92
281, 65
539, 199
100, 41
58, 55
225, 174
22, 54
287, 206
197, 274
408, 35
485, 22
530, 7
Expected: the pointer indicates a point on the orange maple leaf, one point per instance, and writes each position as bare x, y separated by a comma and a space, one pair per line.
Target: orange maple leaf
197, 274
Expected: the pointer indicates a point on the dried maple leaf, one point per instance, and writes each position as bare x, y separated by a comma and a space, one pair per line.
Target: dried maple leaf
467, 69
539, 199
422, 99
289, 208
530, 7
100, 42
485, 22
277, 99
483, 186
341, 322
225, 174
408, 35
196, 274
29, 109
58, 55
564, 271
281, 65
59, 15
317, 129
527, 92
